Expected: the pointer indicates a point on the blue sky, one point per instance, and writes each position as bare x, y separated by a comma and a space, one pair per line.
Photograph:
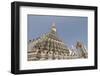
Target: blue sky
69, 28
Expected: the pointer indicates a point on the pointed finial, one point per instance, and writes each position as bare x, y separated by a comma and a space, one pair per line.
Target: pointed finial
53, 27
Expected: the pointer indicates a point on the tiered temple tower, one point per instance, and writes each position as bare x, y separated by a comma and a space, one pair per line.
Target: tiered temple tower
48, 46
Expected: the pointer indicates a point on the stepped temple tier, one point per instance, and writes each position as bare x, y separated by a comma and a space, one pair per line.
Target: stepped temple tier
50, 46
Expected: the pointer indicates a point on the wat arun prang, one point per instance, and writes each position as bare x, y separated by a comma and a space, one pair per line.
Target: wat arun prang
50, 47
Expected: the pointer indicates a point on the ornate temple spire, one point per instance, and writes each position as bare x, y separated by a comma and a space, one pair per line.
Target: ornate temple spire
53, 27
50, 46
